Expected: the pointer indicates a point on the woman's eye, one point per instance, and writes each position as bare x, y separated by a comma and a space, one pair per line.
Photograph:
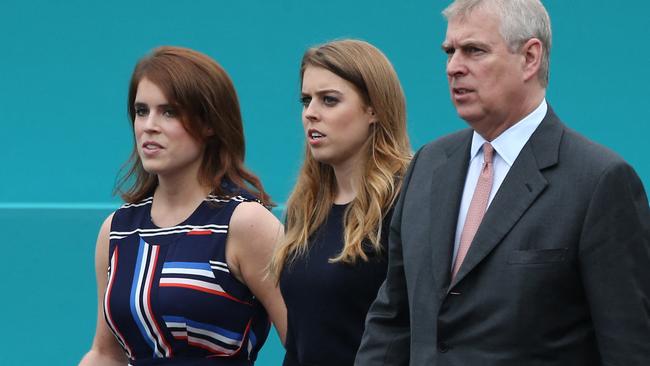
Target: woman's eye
169, 113
329, 100
305, 101
141, 112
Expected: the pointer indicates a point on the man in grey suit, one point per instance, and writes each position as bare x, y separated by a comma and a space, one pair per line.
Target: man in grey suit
517, 241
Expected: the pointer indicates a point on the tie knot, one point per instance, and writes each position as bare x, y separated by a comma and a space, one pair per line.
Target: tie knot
488, 151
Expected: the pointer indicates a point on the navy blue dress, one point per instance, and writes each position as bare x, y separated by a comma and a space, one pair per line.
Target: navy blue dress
171, 299
327, 302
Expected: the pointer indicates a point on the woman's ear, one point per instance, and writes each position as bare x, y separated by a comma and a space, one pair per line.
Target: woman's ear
372, 114
208, 132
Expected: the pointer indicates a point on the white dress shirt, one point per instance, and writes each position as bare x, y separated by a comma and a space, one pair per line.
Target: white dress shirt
507, 147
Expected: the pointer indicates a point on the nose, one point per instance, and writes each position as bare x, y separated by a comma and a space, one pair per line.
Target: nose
150, 123
310, 112
456, 65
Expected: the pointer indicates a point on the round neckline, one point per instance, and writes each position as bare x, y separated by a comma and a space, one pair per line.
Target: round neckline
184, 222
334, 204
340, 206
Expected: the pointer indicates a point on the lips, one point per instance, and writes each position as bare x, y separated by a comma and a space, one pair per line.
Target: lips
461, 90
462, 94
314, 134
151, 147
315, 137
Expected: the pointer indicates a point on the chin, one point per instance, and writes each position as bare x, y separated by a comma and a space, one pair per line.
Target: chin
151, 168
322, 158
468, 115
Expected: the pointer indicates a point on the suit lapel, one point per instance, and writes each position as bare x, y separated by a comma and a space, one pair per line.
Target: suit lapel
521, 187
447, 187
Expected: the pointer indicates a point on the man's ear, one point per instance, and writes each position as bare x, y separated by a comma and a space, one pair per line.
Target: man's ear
532, 51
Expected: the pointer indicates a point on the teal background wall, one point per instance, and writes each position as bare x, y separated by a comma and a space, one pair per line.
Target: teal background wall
64, 69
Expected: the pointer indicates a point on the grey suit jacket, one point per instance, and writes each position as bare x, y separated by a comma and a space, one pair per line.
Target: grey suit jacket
558, 272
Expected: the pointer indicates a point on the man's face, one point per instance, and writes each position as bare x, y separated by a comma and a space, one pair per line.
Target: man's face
486, 80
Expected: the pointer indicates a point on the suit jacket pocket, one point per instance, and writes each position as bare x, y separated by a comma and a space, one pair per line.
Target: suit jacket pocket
537, 256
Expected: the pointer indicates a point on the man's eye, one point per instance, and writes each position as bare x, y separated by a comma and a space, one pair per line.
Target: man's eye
329, 100
141, 112
473, 50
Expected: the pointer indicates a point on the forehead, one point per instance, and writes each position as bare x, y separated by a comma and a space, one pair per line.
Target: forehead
149, 92
317, 78
480, 25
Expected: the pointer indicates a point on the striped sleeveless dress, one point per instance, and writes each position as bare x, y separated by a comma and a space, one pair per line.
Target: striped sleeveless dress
171, 299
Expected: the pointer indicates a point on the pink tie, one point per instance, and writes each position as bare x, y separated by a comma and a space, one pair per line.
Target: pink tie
476, 208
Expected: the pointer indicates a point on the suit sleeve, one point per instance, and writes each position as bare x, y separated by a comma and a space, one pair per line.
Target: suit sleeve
615, 266
386, 340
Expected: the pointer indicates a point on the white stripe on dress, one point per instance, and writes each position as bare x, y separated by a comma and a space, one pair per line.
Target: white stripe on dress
213, 347
190, 282
145, 301
138, 296
189, 271
213, 335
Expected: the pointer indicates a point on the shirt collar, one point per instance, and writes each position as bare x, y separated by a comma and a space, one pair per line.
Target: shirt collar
510, 142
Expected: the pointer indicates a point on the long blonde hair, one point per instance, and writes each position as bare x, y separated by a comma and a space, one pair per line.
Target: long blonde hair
388, 155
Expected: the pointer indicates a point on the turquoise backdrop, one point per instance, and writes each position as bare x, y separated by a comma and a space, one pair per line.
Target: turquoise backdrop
64, 69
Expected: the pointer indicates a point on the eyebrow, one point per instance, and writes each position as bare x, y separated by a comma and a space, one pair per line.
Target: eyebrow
141, 104
475, 43
325, 91
466, 43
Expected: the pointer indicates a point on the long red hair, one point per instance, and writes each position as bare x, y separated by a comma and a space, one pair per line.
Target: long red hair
201, 90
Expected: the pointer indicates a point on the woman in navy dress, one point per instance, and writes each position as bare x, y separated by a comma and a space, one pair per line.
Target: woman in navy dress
333, 258
181, 266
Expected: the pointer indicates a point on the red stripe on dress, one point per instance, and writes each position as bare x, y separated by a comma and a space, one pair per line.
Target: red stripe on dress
109, 289
200, 232
203, 289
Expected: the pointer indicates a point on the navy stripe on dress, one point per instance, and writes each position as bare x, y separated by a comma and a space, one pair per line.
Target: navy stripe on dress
170, 294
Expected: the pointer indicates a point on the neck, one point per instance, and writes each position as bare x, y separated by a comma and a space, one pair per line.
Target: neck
176, 197
347, 176
527, 104
180, 193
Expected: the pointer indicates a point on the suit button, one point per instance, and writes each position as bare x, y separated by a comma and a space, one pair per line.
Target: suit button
443, 347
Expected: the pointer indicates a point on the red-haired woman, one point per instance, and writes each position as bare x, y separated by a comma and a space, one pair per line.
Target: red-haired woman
181, 265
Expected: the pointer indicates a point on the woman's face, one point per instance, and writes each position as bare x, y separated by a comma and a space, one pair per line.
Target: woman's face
164, 145
334, 116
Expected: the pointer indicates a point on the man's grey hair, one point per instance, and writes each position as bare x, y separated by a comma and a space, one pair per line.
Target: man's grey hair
520, 20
